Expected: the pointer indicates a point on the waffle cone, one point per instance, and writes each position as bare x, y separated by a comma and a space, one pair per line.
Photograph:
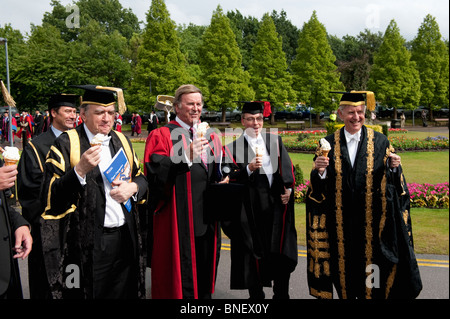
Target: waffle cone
325, 153
94, 144
9, 162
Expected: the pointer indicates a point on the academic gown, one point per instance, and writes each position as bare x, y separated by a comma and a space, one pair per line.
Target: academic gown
359, 234
74, 216
30, 175
176, 194
263, 235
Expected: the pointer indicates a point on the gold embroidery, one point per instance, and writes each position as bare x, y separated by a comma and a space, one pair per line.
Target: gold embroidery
339, 216
369, 199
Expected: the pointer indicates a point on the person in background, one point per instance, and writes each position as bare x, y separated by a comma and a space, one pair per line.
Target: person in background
38, 123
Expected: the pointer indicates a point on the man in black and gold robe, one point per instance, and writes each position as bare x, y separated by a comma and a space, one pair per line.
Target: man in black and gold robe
31, 172
359, 235
91, 241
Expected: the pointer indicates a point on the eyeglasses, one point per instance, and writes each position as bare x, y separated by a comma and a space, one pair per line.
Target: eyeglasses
258, 119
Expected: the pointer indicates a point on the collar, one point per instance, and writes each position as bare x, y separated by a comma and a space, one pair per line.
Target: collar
349, 137
56, 131
253, 140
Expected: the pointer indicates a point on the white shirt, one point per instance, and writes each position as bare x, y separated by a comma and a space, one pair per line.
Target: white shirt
56, 131
114, 216
352, 147
352, 144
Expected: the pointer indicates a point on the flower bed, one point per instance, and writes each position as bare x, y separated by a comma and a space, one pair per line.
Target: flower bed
422, 195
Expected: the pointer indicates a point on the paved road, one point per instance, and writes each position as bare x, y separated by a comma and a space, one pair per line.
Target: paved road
434, 270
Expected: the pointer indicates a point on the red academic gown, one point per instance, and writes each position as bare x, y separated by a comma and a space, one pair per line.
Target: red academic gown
138, 124
178, 220
28, 128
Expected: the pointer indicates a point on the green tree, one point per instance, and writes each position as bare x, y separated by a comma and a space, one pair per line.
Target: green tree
431, 56
108, 13
16, 42
161, 67
269, 76
245, 30
221, 64
394, 77
314, 71
288, 32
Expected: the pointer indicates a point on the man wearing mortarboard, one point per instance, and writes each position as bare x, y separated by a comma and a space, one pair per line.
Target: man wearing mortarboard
31, 172
263, 235
91, 237
359, 233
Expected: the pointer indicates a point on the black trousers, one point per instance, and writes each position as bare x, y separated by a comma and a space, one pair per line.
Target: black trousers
115, 273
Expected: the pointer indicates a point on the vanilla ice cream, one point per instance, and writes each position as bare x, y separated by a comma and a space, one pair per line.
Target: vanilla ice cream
202, 128
11, 155
325, 147
98, 139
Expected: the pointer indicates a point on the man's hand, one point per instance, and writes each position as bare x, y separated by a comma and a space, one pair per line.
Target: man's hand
24, 241
321, 163
8, 175
196, 148
89, 160
285, 197
123, 190
395, 160
255, 164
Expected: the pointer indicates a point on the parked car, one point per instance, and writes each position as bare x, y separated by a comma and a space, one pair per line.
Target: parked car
288, 114
305, 110
233, 115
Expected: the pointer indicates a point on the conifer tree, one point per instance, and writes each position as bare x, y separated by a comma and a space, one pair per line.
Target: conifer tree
224, 79
393, 76
270, 78
314, 71
432, 59
161, 67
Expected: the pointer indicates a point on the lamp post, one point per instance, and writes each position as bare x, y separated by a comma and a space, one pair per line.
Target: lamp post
5, 41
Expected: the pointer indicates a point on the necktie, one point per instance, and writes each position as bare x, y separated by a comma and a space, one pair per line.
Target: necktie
203, 155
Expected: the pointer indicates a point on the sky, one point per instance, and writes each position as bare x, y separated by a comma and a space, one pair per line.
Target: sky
344, 17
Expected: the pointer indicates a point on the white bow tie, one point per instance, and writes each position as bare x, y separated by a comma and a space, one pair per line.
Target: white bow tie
354, 137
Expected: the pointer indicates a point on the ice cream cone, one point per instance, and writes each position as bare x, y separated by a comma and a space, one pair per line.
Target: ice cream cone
9, 162
325, 153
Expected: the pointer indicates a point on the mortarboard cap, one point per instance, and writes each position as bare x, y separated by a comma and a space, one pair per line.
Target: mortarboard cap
252, 107
102, 95
62, 99
356, 98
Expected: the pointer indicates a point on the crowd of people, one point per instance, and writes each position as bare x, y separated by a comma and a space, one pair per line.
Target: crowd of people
91, 237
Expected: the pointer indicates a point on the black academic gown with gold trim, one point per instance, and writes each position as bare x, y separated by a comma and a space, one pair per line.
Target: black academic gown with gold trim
263, 235
74, 216
358, 230
30, 175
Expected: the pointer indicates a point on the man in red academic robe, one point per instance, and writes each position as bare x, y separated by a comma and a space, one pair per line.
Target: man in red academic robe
185, 248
